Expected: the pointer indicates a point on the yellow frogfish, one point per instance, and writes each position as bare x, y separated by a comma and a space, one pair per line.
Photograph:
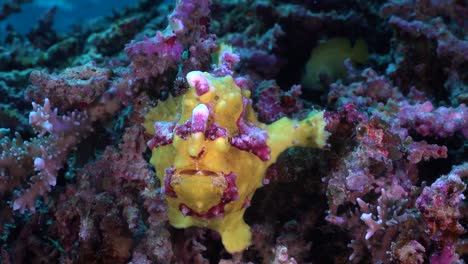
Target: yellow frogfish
328, 58
211, 153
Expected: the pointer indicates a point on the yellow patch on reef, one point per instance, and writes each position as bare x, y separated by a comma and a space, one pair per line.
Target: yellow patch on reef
194, 166
216, 56
328, 58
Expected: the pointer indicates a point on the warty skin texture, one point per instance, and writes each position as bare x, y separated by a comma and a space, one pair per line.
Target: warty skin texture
211, 153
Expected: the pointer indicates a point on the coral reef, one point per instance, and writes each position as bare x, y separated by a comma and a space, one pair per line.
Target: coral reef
144, 136
11, 7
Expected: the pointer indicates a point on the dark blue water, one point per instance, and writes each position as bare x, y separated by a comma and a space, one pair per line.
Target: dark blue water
68, 12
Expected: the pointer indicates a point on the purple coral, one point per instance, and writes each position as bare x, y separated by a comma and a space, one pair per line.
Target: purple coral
427, 121
271, 103
153, 56
448, 45
45, 120
62, 134
74, 87
383, 163
439, 205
